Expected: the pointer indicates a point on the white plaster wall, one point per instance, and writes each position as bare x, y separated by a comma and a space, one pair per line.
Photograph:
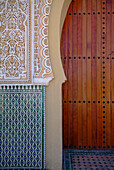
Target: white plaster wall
53, 91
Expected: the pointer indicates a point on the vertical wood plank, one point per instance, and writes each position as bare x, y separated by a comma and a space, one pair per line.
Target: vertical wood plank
64, 86
69, 77
104, 74
112, 100
94, 73
112, 74
80, 126
108, 58
99, 75
75, 77
84, 73
112, 31
89, 116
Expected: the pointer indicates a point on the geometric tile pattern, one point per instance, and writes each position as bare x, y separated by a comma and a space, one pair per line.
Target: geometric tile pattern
88, 159
22, 127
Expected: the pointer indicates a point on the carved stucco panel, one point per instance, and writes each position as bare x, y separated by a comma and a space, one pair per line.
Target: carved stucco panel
24, 53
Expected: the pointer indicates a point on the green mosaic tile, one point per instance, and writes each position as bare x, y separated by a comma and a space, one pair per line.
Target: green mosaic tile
22, 127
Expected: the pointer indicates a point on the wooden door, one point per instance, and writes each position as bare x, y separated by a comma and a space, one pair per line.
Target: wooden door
87, 50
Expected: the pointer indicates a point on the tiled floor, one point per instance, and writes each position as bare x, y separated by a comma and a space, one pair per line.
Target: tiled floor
88, 159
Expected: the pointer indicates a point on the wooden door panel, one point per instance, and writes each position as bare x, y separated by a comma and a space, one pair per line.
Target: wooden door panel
112, 74
69, 76
64, 86
87, 50
99, 73
88, 76
74, 74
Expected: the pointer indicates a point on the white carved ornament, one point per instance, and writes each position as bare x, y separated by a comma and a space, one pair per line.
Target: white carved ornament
24, 54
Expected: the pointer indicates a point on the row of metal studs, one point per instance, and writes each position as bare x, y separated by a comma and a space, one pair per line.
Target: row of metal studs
103, 71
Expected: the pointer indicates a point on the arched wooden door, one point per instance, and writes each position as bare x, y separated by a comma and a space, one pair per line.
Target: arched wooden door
87, 50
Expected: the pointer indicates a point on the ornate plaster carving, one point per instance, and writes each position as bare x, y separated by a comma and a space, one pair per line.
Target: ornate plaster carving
24, 53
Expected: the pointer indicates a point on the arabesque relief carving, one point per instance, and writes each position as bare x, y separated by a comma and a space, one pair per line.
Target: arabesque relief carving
24, 54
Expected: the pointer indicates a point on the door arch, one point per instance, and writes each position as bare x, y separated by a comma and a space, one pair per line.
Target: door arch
87, 50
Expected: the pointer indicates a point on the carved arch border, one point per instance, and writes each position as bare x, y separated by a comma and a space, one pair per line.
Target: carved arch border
44, 74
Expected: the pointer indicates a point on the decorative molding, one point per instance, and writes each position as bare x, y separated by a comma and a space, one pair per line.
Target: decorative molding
24, 53
43, 71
